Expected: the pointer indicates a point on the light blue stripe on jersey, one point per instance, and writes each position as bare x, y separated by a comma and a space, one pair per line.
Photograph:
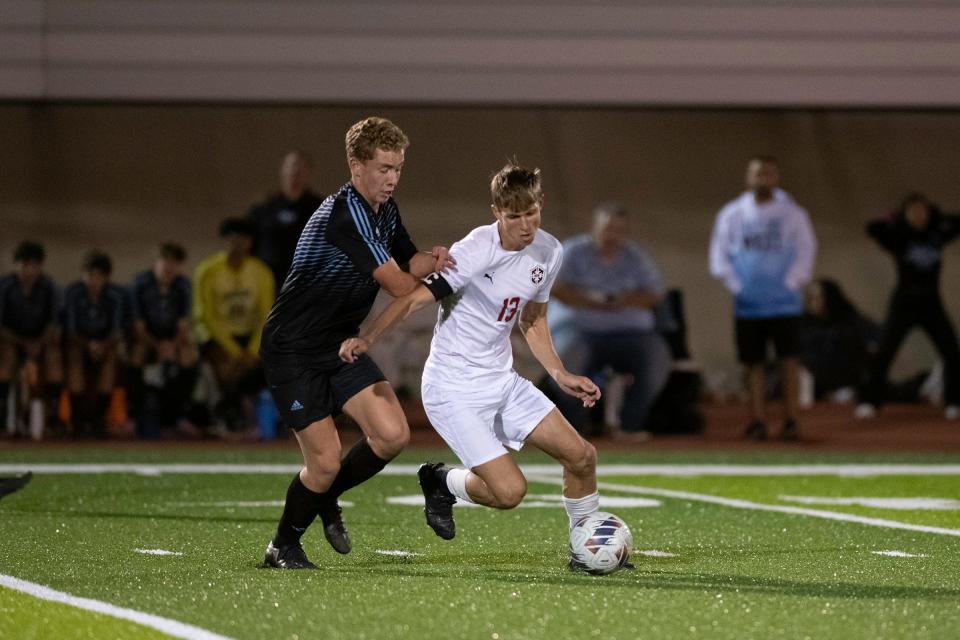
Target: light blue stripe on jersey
359, 218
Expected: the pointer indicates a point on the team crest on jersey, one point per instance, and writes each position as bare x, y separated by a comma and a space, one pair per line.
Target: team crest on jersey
536, 274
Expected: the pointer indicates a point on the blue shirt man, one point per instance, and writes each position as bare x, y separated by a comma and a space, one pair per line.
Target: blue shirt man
607, 289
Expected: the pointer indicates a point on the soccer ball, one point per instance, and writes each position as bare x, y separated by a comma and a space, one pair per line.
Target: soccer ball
600, 543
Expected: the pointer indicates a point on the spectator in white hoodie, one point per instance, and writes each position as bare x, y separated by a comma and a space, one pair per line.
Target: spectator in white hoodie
763, 249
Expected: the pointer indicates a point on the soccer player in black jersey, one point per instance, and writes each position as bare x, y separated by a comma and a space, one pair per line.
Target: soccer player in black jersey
29, 329
164, 355
354, 245
93, 327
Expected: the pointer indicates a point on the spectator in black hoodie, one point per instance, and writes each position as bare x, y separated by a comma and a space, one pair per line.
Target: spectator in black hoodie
915, 234
836, 341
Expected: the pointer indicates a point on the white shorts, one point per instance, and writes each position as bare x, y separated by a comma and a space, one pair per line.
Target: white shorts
478, 423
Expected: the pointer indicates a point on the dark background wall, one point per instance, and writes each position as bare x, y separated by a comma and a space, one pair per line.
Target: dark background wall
123, 177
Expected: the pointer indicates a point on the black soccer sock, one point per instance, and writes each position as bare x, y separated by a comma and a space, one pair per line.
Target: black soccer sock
51, 391
100, 407
359, 465
182, 389
299, 511
79, 414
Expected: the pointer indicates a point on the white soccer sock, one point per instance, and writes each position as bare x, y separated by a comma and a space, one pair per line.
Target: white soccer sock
457, 483
579, 507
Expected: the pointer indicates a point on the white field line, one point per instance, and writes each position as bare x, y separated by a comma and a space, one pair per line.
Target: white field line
675, 470
164, 625
756, 506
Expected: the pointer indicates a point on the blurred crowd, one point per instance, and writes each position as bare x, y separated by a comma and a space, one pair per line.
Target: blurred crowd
173, 353
165, 354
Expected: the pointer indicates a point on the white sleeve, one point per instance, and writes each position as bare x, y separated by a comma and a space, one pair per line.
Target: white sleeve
471, 256
801, 271
720, 265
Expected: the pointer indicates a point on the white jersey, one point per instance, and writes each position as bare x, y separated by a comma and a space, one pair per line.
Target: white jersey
490, 286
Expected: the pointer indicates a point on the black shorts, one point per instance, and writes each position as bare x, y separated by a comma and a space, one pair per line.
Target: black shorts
753, 334
314, 388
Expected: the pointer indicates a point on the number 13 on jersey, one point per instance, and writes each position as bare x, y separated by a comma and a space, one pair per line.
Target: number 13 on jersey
509, 309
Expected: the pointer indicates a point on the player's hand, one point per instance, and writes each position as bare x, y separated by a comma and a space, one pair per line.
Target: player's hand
351, 348
444, 259
248, 360
96, 349
580, 387
31, 371
166, 350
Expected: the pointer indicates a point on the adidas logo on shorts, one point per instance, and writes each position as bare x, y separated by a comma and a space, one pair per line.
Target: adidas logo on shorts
296, 406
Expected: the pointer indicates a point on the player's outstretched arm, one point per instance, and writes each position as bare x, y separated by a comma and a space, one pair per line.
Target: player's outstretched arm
398, 310
533, 324
437, 260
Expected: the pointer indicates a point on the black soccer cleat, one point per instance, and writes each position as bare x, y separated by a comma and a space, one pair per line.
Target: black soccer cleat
11, 485
438, 501
575, 565
791, 430
288, 557
333, 528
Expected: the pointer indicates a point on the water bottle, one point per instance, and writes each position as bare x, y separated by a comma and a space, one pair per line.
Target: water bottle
267, 416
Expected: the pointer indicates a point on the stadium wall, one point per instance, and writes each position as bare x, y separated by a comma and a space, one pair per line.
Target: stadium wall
124, 177
614, 52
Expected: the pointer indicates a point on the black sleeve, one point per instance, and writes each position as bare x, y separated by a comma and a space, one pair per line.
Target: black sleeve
885, 233
70, 301
136, 303
438, 286
949, 226
402, 248
4, 287
344, 232
118, 316
53, 313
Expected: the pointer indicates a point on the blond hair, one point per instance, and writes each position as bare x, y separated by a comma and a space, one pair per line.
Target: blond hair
516, 188
365, 137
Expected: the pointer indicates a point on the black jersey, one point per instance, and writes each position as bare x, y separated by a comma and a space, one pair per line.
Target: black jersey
330, 287
27, 314
92, 319
161, 311
917, 252
126, 305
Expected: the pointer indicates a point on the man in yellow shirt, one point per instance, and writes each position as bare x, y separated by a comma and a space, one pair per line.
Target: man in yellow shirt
232, 295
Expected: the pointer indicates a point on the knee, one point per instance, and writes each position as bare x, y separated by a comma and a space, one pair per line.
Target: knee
388, 443
322, 468
585, 462
508, 496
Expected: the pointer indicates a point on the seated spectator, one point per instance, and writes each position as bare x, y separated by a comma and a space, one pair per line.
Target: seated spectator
836, 340
279, 220
607, 288
93, 330
30, 333
232, 296
164, 355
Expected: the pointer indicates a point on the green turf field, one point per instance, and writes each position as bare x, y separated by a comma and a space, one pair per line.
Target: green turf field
740, 552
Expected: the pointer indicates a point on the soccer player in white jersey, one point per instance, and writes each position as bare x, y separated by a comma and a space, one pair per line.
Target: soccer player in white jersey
472, 395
